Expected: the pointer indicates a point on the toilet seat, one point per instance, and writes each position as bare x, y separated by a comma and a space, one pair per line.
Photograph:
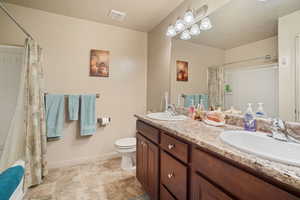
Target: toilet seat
126, 143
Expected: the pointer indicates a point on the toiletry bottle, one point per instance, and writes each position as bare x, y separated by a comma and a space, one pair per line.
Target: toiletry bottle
201, 110
192, 110
260, 111
249, 119
179, 101
166, 101
201, 105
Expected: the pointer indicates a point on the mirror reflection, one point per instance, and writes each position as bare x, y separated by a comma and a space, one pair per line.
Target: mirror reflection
246, 59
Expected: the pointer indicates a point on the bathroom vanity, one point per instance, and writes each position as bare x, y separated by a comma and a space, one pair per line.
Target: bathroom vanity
186, 160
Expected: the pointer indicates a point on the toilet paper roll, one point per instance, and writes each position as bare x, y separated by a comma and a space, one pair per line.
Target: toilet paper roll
105, 121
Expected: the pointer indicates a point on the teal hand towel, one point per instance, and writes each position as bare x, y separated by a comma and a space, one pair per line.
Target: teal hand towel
55, 108
189, 100
73, 107
197, 99
204, 99
88, 115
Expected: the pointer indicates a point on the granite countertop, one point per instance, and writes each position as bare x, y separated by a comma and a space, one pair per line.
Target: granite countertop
208, 137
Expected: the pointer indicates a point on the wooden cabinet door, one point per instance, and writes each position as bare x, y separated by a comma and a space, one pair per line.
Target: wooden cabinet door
203, 190
152, 171
141, 160
147, 166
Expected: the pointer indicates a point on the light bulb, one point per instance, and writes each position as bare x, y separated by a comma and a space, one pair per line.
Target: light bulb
195, 30
188, 17
171, 32
185, 35
205, 24
179, 25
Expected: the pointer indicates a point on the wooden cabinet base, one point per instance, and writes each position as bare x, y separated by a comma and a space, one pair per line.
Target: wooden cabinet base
170, 168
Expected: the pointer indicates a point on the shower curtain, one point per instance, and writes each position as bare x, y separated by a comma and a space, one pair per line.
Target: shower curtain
27, 134
35, 126
216, 86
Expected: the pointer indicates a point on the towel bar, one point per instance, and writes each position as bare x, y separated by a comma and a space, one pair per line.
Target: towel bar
97, 95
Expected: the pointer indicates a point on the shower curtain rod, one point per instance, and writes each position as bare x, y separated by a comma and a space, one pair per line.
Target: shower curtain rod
14, 20
266, 57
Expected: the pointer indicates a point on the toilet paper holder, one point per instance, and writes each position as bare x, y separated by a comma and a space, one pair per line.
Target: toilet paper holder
104, 121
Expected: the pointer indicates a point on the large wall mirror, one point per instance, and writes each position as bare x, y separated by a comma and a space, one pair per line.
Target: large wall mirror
250, 55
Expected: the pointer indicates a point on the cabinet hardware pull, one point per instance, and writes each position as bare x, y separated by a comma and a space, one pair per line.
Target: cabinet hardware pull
171, 175
171, 146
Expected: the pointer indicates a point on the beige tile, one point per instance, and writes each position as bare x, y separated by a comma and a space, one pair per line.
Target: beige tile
123, 189
43, 191
52, 176
103, 180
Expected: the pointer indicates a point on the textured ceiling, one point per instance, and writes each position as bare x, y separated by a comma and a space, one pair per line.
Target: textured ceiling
244, 21
142, 15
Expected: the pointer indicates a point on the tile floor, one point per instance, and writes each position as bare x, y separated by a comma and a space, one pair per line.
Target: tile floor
98, 180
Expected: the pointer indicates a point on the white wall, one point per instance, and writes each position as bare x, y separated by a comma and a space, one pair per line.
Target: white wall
199, 57
67, 43
246, 89
256, 49
253, 85
288, 29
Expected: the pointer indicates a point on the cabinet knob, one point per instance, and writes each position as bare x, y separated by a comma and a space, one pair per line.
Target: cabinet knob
171, 175
171, 146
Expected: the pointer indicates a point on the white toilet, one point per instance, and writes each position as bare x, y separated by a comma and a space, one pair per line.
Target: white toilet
127, 148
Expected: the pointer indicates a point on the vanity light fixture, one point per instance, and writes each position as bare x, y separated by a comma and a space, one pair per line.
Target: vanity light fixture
195, 30
179, 25
191, 24
171, 32
185, 35
188, 17
205, 24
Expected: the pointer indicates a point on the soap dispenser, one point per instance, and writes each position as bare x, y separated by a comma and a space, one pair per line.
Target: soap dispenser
260, 111
249, 119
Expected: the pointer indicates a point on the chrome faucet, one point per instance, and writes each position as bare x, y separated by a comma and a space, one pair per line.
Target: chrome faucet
171, 109
280, 131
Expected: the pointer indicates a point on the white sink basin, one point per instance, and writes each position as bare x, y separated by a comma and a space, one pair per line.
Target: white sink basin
262, 145
166, 116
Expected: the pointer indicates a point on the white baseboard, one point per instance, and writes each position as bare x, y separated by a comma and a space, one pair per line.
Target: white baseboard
67, 163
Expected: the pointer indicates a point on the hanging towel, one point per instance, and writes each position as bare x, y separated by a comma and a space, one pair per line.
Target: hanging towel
197, 99
55, 107
204, 99
189, 100
73, 101
88, 115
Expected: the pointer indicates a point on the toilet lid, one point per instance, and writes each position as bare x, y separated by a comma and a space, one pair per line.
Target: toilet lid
126, 142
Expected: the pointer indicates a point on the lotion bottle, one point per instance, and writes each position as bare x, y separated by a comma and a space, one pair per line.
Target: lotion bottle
249, 119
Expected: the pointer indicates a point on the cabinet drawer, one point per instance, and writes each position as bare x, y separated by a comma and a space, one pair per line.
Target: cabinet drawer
148, 131
165, 194
175, 147
204, 190
174, 176
237, 182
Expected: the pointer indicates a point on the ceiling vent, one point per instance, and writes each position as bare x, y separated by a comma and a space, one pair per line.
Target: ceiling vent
117, 15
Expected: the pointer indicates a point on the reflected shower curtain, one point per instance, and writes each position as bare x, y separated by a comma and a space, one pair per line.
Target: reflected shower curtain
27, 133
216, 86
